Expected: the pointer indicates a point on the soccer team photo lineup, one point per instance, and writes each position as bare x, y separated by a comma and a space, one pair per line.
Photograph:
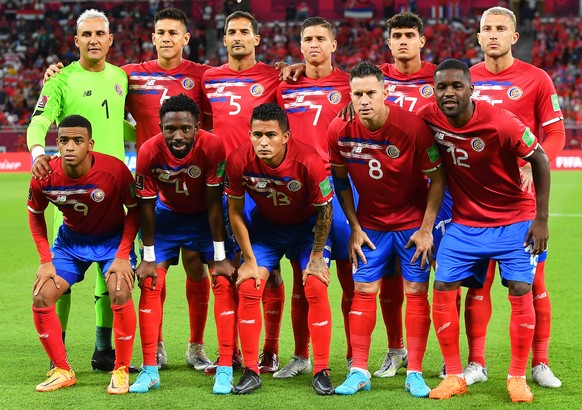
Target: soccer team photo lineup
348, 168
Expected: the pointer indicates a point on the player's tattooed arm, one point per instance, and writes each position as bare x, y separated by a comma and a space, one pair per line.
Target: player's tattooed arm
317, 265
322, 227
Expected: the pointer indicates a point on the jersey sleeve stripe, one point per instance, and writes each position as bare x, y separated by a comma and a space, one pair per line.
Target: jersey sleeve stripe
34, 211
553, 120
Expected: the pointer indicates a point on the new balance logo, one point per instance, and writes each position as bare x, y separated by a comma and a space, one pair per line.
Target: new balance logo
443, 327
43, 335
125, 337
477, 297
227, 313
357, 149
145, 310
295, 296
541, 296
320, 324
271, 312
355, 312
87, 93
527, 326
247, 322
150, 82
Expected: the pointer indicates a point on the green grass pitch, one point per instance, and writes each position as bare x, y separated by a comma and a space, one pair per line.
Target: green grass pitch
24, 362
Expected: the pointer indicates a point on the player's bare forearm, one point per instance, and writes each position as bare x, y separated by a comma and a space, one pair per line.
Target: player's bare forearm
215, 215
147, 220
322, 227
541, 175
436, 193
239, 227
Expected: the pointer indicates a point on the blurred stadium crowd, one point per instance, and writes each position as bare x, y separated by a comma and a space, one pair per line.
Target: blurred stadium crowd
29, 44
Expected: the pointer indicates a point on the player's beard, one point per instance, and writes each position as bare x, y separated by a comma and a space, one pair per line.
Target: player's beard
182, 152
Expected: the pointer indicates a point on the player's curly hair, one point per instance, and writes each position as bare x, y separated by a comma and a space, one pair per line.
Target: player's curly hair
406, 19
454, 64
318, 21
177, 103
242, 15
171, 14
366, 69
271, 112
76, 121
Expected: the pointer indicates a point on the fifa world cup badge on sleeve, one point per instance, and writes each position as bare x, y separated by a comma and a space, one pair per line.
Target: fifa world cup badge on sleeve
528, 137
325, 187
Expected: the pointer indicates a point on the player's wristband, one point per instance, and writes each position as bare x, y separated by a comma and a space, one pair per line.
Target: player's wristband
219, 252
148, 254
36, 152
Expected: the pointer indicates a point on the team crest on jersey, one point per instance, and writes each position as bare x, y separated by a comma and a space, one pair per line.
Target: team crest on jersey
478, 144
514, 93
97, 195
334, 97
257, 90
118, 89
392, 151
426, 91
294, 185
188, 83
194, 171
42, 100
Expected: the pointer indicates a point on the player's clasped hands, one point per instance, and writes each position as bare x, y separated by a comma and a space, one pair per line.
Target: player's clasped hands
317, 267
45, 272
423, 241
357, 239
121, 268
537, 237
146, 270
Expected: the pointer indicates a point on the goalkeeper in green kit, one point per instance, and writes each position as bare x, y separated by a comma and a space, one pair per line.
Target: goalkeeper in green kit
95, 89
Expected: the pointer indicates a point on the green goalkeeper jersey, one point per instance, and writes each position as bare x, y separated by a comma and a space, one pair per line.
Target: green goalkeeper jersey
97, 96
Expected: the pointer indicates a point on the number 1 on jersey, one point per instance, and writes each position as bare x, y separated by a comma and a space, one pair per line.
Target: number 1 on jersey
104, 104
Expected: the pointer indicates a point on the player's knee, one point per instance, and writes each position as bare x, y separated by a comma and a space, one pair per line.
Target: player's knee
248, 290
120, 297
415, 288
314, 289
275, 279
42, 300
518, 288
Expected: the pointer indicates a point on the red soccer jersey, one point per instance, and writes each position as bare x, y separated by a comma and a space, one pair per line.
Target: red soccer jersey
386, 167
92, 204
233, 95
287, 194
523, 89
180, 183
150, 85
409, 91
311, 104
481, 160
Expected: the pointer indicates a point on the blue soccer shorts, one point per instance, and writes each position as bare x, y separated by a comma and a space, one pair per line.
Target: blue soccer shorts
73, 253
380, 262
271, 241
465, 252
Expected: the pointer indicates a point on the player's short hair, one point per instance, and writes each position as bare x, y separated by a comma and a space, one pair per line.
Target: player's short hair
318, 21
178, 103
406, 19
271, 112
454, 64
242, 15
366, 69
171, 13
92, 14
76, 121
499, 11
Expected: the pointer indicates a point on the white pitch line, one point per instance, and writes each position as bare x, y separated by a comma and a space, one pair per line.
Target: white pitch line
566, 215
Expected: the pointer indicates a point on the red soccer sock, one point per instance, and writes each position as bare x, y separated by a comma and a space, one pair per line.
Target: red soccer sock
417, 328
299, 311
49, 332
225, 317
521, 332
391, 300
198, 295
543, 310
150, 314
319, 322
446, 324
124, 323
250, 322
162, 302
477, 317
344, 274
362, 323
273, 302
